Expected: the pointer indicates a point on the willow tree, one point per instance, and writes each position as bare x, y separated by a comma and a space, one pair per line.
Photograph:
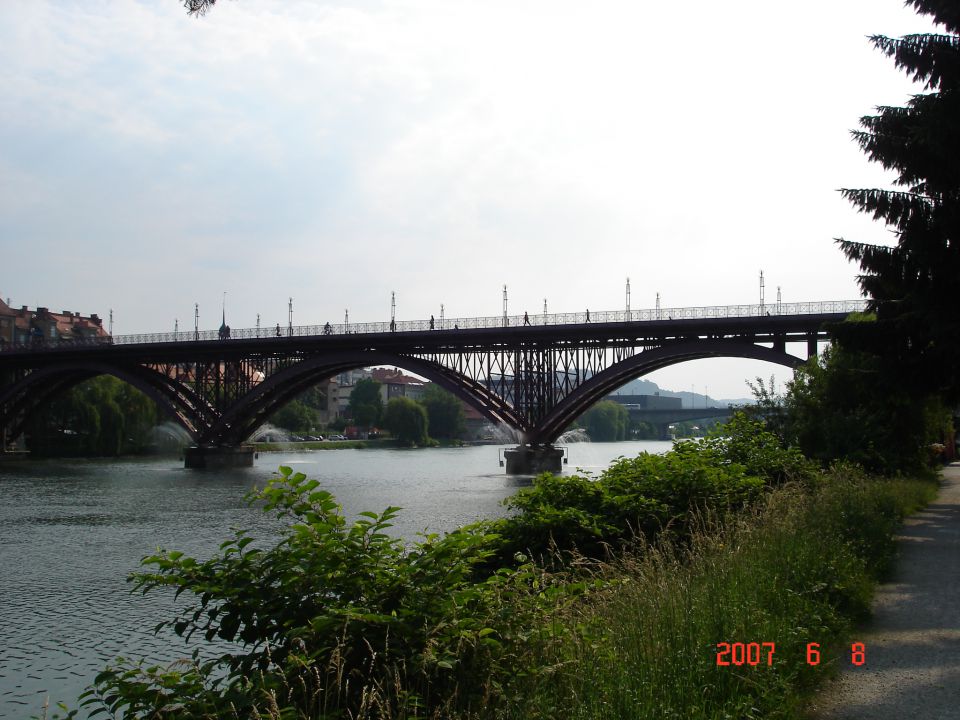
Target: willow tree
913, 286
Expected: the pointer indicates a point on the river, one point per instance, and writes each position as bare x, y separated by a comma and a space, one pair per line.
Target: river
72, 530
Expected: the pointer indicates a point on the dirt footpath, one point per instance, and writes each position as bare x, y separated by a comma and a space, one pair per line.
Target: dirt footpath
913, 640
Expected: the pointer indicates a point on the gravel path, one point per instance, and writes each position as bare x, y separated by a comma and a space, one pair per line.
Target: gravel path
913, 640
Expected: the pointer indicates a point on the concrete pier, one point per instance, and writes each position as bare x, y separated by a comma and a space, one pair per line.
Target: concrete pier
215, 458
533, 459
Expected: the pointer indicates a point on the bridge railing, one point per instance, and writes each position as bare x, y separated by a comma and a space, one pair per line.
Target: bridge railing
446, 324
41, 343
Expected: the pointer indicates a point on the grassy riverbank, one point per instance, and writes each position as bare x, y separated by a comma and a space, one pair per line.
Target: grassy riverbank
600, 597
799, 568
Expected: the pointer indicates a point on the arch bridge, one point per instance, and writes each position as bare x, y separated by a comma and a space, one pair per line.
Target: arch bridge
532, 374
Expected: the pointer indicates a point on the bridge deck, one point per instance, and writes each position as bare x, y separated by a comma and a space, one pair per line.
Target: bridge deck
610, 328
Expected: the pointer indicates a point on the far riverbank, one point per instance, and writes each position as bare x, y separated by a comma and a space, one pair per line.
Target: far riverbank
390, 443
377, 444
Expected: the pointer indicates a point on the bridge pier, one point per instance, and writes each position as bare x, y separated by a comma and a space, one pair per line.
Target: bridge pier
533, 459
218, 457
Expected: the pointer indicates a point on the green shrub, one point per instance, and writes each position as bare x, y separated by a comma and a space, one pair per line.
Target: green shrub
332, 616
642, 496
645, 645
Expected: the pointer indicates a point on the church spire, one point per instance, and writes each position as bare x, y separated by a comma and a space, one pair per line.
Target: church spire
224, 328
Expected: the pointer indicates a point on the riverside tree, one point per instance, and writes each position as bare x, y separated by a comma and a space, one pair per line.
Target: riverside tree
841, 405
100, 417
606, 421
296, 416
365, 403
406, 420
912, 285
444, 411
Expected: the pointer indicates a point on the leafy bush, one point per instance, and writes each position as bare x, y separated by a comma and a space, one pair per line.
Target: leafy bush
642, 496
761, 453
330, 618
645, 645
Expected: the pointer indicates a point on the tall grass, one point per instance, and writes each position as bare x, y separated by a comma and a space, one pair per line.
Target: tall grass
799, 568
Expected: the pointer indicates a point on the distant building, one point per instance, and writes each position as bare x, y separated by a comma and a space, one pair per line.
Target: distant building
40, 325
393, 383
476, 425
340, 391
330, 411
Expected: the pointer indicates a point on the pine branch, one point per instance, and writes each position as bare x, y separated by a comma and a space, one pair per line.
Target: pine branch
198, 7
931, 59
919, 141
944, 12
897, 208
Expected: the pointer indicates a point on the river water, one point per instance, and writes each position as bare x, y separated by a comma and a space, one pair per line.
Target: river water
71, 532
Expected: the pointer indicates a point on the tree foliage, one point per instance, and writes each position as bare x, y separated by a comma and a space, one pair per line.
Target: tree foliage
912, 285
296, 415
406, 420
444, 412
606, 421
100, 417
842, 406
365, 404
643, 430
198, 7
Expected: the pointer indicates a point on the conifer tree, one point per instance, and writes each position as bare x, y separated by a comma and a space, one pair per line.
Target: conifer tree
198, 7
913, 287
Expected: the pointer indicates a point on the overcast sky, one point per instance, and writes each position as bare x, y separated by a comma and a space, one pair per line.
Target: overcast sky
337, 151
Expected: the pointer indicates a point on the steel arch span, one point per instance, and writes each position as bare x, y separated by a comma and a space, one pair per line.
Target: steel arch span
21, 398
605, 382
533, 392
242, 419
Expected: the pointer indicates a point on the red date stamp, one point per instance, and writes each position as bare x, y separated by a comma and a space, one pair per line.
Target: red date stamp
753, 653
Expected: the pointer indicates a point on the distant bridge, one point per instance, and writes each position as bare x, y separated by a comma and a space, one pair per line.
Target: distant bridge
662, 418
532, 373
